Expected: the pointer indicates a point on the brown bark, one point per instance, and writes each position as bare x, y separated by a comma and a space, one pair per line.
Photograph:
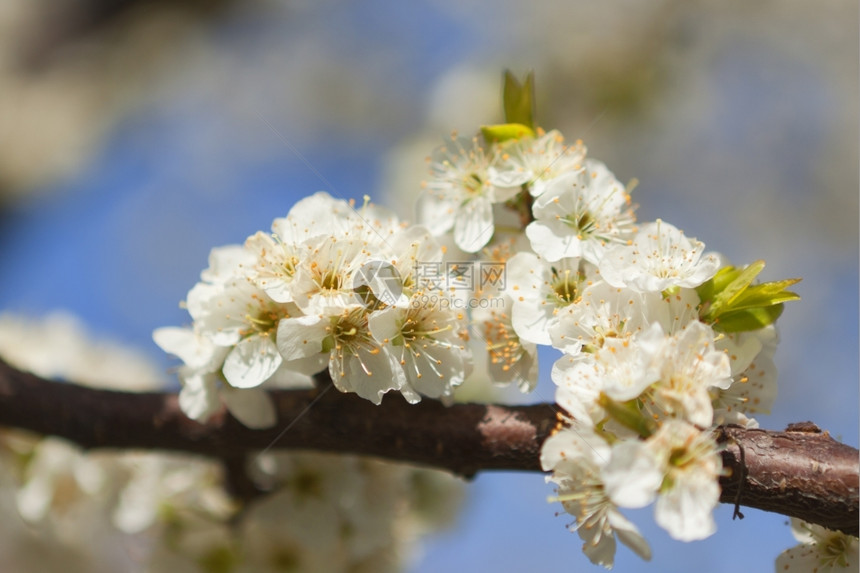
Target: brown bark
801, 472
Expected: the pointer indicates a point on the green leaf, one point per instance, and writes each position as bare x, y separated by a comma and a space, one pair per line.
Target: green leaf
505, 132
731, 303
765, 294
708, 289
725, 276
723, 297
518, 99
749, 319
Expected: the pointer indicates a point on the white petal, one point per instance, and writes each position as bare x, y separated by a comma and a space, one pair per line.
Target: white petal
473, 225
577, 445
531, 322
434, 213
629, 535
226, 262
384, 281
251, 362
633, 475
580, 383
287, 377
307, 366
685, 511
435, 371
301, 336
367, 374
525, 274
509, 178
599, 545
253, 407
551, 245
195, 351
385, 324
198, 398
311, 217
218, 311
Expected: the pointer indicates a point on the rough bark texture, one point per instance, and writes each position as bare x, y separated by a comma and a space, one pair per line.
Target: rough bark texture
801, 472
802, 468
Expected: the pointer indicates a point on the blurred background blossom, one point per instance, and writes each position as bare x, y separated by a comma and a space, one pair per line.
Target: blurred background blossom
135, 136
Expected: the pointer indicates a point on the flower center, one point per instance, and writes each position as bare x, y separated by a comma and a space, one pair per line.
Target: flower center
565, 286
473, 183
330, 281
583, 223
503, 344
833, 550
263, 316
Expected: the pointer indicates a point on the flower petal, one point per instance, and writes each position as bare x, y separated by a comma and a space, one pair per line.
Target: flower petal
251, 362
253, 407
198, 398
301, 336
473, 225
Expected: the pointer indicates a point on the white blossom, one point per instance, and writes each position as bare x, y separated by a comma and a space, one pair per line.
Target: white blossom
234, 313
356, 361
690, 367
325, 271
541, 159
279, 254
321, 214
203, 387
581, 214
601, 312
540, 290
160, 482
426, 342
682, 464
462, 190
576, 456
658, 257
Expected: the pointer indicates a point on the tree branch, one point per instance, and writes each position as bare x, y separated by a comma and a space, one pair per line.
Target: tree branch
801, 472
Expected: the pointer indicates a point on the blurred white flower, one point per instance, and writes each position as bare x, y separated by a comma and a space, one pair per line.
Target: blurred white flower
820, 550
541, 159
511, 359
688, 461
59, 346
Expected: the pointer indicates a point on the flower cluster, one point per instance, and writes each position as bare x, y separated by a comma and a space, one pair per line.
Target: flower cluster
332, 286
661, 340
524, 240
